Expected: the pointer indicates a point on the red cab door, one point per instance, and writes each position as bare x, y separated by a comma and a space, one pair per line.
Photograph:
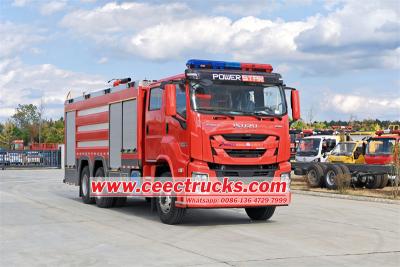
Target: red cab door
155, 123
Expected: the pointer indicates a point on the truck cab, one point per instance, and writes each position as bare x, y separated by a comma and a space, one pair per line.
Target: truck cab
381, 148
316, 148
223, 120
348, 152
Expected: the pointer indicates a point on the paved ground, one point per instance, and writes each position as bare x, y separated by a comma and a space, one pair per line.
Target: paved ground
43, 222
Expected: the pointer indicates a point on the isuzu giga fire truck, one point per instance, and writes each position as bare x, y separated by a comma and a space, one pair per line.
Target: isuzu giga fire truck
218, 119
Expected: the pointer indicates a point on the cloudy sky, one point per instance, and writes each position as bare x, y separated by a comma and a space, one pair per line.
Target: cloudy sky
344, 56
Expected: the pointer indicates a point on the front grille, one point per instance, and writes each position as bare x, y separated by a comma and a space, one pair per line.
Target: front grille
245, 153
245, 173
245, 137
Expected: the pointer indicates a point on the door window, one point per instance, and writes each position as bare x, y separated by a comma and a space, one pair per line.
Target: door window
155, 99
181, 100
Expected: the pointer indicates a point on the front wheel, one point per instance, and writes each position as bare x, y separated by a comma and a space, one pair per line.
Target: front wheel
261, 213
166, 209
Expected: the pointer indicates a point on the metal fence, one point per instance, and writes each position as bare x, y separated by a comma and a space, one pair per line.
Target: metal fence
30, 158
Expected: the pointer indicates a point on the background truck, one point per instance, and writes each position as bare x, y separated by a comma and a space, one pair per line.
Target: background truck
368, 163
218, 119
315, 148
351, 152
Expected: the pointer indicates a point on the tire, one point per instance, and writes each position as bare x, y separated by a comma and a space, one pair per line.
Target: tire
166, 209
394, 182
315, 175
103, 202
119, 201
346, 178
374, 183
384, 181
324, 167
84, 186
332, 176
261, 213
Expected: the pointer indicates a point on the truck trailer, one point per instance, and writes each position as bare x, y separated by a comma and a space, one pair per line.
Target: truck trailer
218, 119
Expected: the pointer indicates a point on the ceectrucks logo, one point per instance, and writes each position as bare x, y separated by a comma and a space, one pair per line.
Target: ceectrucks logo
245, 125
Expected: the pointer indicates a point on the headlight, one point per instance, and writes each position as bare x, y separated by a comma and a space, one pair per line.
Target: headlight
316, 160
199, 177
285, 177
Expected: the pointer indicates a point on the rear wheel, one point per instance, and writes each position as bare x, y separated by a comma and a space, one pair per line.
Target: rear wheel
346, 178
332, 176
261, 213
103, 202
166, 209
384, 180
373, 181
119, 201
315, 175
85, 186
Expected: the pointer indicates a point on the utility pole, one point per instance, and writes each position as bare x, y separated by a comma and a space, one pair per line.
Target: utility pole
41, 110
310, 115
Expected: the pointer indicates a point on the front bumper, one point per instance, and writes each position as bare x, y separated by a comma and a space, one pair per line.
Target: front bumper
236, 200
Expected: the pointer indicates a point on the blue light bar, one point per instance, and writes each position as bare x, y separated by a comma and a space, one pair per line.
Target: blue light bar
212, 64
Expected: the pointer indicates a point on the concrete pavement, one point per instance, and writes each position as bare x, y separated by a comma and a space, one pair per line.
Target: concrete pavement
43, 222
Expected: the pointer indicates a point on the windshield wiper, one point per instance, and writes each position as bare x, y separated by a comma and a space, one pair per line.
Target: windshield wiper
215, 112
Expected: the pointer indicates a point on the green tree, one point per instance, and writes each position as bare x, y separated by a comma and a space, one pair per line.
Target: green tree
298, 125
27, 118
319, 125
53, 131
8, 134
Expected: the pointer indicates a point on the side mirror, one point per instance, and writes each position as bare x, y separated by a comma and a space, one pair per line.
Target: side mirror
295, 100
170, 93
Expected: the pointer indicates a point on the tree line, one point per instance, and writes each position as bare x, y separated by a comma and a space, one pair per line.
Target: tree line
28, 124
357, 125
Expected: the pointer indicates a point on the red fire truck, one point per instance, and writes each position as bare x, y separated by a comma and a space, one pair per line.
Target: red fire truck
218, 119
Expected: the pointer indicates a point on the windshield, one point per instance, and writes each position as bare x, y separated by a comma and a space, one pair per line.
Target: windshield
381, 146
343, 149
237, 99
308, 147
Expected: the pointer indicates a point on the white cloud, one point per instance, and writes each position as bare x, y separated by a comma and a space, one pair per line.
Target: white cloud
360, 26
18, 38
120, 19
247, 38
102, 60
24, 84
52, 7
363, 106
254, 7
21, 3
355, 35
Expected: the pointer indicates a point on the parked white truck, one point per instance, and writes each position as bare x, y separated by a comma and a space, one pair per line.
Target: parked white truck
316, 148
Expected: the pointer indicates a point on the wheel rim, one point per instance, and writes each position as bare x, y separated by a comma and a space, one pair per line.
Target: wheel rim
312, 176
165, 203
330, 178
85, 185
370, 180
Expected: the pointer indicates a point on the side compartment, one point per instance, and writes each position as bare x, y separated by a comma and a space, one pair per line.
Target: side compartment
115, 135
71, 174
